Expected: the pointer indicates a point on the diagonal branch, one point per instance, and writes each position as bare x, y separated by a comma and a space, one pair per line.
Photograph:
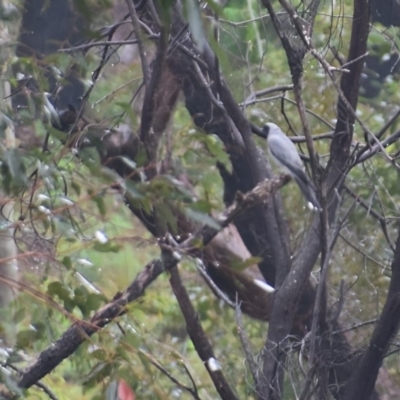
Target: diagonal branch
368, 152
78, 333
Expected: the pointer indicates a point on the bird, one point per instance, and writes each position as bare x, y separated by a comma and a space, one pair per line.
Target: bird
284, 152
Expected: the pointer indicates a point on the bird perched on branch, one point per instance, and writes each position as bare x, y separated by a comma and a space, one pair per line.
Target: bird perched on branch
284, 152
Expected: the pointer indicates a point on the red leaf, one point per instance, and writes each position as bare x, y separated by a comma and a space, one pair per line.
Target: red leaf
125, 392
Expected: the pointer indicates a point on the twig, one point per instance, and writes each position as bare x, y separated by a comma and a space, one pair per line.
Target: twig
320, 300
190, 54
74, 137
211, 283
366, 370
388, 124
314, 114
363, 253
357, 326
244, 340
346, 64
262, 100
136, 28
40, 385
104, 43
115, 91
335, 232
207, 87
279, 88
374, 213
365, 155
339, 304
295, 139
193, 391
342, 96
301, 139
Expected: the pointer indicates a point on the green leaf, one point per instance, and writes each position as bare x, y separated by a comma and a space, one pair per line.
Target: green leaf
26, 339
166, 217
217, 149
76, 187
56, 133
58, 289
67, 262
108, 247
94, 301
16, 167
101, 371
202, 206
12, 384
91, 158
242, 265
202, 218
132, 190
99, 200
19, 315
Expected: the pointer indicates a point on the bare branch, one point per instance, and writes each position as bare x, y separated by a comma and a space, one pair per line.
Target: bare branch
211, 283
246, 345
254, 95
375, 214
366, 154
362, 381
199, 338
193, 391
104, 43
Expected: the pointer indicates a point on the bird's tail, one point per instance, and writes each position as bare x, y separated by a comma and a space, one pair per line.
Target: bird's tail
308, 191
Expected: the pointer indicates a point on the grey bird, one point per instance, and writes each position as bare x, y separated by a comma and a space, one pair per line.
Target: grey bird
285, 154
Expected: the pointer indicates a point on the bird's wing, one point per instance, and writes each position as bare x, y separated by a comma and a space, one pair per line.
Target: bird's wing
284, 151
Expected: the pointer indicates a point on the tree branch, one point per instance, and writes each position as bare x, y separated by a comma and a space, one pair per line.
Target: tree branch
78, 333
199, 338
362, 382
260, 226
289, 294
82, 330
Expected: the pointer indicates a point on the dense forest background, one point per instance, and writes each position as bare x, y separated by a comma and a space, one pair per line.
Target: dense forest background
158, 252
